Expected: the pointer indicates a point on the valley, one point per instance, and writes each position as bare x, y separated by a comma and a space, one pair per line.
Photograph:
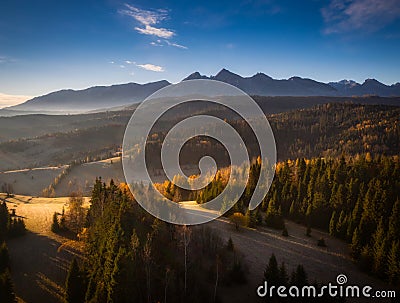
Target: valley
46, 164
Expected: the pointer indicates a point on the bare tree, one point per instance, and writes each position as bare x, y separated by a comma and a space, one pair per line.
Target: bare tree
147, 259
186, 237
216, 279
7, 188
167, 277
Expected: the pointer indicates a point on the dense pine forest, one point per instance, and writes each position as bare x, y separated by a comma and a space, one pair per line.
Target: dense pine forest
331, 130
133, 257
327, 130
356, 199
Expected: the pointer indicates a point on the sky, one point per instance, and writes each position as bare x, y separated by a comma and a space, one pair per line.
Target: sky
48, 45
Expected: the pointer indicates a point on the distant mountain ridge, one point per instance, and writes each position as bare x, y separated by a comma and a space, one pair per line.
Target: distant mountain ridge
263, 85
260, 84
92, 98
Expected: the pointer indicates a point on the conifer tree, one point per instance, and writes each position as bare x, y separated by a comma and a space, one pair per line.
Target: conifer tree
251, 218
299, 277
341, 225
283, 275
356, 244
394, 222
7, 294
4, 220
379, 250
332, 224
366, 258
55, 226
117, 291
4, 257
74, 285
393, 268
272, 273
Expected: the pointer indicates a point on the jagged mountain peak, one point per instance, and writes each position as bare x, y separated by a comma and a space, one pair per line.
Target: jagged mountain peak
226, 74
259, 84
261, 76
372, 81
195, 76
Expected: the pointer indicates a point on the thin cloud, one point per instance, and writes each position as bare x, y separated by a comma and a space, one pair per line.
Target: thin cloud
148, 19
145, 17
5, 59
154, 31
367, 15
147, 66
167, 42
153, 43
151, 67
176, 45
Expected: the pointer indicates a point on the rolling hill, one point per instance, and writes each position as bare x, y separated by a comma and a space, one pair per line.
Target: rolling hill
322, 130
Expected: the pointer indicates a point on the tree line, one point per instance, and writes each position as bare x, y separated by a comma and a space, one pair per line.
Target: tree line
277, 276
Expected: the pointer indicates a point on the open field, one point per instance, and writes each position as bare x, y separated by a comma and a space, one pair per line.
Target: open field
40, 259
30, 182
82, 177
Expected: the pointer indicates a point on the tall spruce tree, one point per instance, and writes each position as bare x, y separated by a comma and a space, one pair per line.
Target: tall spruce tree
74, 285
272, 273
4, 257
7, 294
393, 268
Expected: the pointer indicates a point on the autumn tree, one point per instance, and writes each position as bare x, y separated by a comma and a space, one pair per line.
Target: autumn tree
237, 219
75, 215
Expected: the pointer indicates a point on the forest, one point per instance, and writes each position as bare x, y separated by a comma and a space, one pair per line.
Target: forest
356, 199
327, 130
132, 257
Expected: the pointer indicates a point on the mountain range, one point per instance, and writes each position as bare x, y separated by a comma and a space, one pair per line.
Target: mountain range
103, 97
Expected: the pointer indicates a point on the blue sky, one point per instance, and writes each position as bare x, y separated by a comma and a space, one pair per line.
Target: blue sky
47, 45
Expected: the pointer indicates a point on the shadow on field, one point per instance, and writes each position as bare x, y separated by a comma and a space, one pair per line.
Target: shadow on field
38, 268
